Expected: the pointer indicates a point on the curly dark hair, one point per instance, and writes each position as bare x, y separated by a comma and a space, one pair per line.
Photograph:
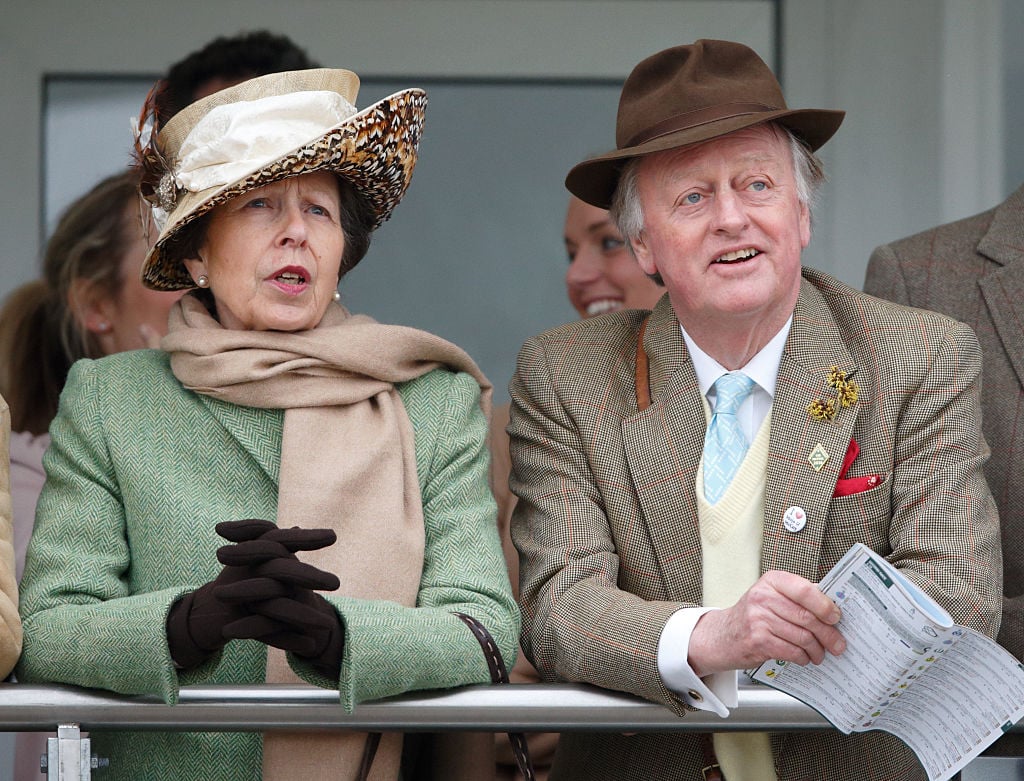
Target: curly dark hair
231, 59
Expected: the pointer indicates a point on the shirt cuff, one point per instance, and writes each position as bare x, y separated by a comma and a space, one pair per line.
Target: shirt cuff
716, 692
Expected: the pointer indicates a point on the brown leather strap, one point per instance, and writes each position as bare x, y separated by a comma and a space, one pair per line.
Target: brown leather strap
369, 752
709, 766
643, 374
499, 674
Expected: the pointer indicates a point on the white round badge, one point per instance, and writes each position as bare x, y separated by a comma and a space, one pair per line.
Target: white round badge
794, 519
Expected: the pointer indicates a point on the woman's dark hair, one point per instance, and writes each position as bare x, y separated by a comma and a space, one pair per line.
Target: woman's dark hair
40, 336
357, 221
229, 59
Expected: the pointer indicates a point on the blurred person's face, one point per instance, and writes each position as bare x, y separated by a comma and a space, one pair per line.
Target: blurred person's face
602, 276
134, 317
273, 254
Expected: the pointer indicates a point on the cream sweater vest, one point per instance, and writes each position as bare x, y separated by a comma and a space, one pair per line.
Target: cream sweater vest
730, 535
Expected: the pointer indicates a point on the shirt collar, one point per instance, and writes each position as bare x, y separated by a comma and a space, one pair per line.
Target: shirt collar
763, 368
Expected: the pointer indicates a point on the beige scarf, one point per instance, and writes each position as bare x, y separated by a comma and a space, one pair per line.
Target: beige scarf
348, 463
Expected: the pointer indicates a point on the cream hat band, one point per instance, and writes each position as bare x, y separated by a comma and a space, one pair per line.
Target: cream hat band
236, 139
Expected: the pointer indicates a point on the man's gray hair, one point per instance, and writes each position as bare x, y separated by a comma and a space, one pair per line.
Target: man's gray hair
628, 214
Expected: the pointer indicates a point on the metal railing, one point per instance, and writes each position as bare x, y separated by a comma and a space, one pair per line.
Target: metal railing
526, 708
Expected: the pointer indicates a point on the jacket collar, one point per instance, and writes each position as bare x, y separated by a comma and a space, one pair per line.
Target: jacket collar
1003, 243
248, 426
1003, 288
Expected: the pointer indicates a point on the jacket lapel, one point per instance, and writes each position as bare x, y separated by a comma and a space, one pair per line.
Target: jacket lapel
1003, 288
814, 346
248, 427
663, 447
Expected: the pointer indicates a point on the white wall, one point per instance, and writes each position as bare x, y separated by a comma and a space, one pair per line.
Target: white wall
922, 142
926, 83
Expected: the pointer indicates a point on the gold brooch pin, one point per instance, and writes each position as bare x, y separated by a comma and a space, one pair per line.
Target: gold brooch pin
847, 394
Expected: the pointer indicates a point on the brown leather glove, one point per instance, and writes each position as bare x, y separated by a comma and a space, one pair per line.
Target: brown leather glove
301, 622
260, 567
194, 622
297, 620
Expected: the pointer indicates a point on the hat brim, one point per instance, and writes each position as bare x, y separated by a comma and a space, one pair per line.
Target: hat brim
375, 150
594, 181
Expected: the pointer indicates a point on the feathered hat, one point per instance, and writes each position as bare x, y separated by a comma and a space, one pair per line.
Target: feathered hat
267, 129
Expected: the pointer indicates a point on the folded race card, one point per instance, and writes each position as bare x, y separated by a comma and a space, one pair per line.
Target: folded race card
946, 690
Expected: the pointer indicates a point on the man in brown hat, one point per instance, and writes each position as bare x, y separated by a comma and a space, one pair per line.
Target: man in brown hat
687, 475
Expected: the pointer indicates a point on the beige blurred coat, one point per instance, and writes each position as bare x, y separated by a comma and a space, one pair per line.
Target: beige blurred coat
10, 624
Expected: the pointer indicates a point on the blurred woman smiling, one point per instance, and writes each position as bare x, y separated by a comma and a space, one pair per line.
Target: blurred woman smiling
603, 276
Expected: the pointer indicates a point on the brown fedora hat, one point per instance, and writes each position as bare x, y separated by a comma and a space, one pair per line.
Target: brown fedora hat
688, 94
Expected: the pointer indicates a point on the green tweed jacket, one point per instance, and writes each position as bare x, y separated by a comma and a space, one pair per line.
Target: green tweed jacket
138, 473
607, 527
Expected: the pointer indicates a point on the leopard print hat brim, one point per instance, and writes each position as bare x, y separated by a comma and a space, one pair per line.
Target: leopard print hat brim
375, 150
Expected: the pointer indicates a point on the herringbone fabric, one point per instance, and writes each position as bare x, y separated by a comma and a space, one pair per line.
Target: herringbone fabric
337, 385
10, 624
141, 470
606, 524
725, 444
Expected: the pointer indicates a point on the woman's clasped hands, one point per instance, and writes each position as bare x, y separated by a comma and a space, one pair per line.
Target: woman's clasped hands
263, 593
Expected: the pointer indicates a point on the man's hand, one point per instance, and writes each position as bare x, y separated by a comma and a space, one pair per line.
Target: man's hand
782, 616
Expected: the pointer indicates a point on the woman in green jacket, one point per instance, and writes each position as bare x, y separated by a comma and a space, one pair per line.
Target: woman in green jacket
337, 455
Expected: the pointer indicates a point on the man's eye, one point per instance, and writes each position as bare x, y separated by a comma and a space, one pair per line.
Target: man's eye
759, 186
694, 198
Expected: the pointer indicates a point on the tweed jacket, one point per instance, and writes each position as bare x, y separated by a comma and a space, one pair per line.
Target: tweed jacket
138, 473
10, 623
973, 271
607, 528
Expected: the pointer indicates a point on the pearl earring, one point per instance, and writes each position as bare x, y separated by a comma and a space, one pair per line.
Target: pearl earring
103, 326
203, 280
337, 296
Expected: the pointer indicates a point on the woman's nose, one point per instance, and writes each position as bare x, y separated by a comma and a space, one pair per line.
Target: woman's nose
584, 268
293, 224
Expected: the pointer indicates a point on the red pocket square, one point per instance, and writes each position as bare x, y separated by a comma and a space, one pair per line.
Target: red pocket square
853, 485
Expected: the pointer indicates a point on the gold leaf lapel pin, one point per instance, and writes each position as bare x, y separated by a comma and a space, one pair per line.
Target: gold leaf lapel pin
847, 393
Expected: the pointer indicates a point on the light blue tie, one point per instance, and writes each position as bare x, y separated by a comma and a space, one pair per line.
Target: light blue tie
724, 443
